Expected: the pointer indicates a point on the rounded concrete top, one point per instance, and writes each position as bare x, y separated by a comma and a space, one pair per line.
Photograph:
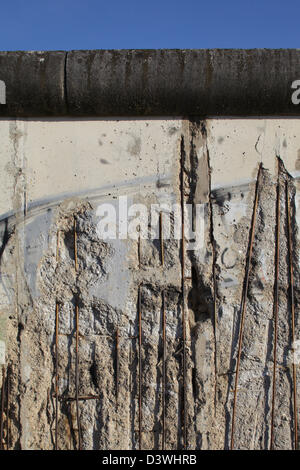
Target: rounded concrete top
150, 83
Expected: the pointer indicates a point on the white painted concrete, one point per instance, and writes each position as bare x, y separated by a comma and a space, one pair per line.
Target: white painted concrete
237, 146
58, 159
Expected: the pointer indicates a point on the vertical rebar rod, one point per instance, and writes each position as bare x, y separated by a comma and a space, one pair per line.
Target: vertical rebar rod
8, 374
130, 378
161, 237
276, 294
56, 374
56, 353
244, 301
140, 365
139, 250
77, 377
164, 372
117, 364
214, 278
183, 296
140, 346
77, 342
57, 245
2, 408
291, 270
75, 245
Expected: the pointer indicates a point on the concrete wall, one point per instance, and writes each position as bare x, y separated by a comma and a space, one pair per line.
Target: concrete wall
57, 171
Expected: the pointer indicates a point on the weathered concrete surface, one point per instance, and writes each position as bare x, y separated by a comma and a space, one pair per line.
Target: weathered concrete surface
34, 82
234, 150
205, 82
182, 82
54, 171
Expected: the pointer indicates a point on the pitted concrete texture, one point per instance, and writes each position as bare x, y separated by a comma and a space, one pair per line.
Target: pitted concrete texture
54, 177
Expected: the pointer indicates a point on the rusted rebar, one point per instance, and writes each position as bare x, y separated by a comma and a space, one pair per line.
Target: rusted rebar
75, 245
161, 237
56, 374
117, 364
77, 343
80, 397
184, 423
139, 250
2, 408
214, 278
292, 300
56, 352
164, 372
8, 374
276, 304
244, 300
77, 376
140, 364
57, 245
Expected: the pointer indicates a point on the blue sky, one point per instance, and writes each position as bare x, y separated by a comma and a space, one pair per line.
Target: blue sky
140, 24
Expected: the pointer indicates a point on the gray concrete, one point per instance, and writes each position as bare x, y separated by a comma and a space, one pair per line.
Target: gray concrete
150, 83
35, 83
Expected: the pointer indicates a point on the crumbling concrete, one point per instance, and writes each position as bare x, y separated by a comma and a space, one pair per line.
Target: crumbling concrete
55, 176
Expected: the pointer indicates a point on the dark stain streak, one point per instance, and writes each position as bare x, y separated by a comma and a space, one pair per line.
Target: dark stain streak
20, 329
5, 239
161, 184
93, 373
172, 130
221, 195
